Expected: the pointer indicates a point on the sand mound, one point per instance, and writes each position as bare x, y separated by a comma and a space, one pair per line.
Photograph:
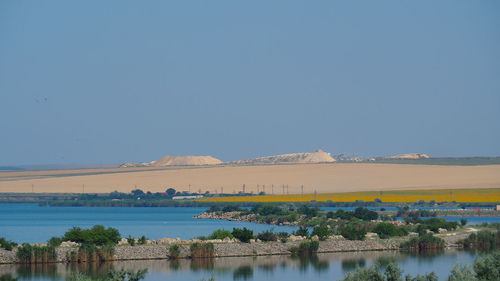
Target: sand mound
319, 156
177, 161
409, 156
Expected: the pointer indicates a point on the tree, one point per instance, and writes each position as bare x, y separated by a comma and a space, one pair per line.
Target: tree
171, 192
137, 193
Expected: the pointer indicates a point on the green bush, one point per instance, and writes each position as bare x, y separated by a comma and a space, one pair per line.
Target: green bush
305, 248
423, 243
97, 235
202, 250
94, 253
302, 231
391, 272
267, 209
388, 230
131, 240
267, 236
55, 241
243, 234
27, 253
351, 232
142, 240
322, 232
283, 236
220, 234
174, 252
487, 267
482, 240
6, 244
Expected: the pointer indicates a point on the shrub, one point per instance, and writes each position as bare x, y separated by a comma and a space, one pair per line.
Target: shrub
322, 232
365, 214
131, 240
353, 233
142, 240
93, 253
214, 209
202, 250
391, 273
463, 221
482, 240
387, 230
27, 253
423, 243
97, 235
6, 244
174, 252
308, 212
220, 234
305, 248
487, 267
302, 231
243, 234
283, 236
267, 209
55, 241
267, 236
228, 209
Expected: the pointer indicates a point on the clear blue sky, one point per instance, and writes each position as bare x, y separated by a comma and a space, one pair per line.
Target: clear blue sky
115, 81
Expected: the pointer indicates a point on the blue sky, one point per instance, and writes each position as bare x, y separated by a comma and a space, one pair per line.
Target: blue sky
114, 81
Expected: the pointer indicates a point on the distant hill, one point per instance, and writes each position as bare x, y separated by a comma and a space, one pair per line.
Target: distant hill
318, 156
409, 156
176, 161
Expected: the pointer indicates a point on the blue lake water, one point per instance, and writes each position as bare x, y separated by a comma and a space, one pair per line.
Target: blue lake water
33, 223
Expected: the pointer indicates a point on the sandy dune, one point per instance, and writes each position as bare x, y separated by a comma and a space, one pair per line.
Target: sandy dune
320, 177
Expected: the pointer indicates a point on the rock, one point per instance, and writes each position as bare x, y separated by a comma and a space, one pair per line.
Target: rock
371, 235
315, 237
413, 234
123, 241
67, 244
442, 230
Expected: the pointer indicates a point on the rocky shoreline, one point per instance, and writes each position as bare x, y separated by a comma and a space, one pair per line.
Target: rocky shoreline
160, 249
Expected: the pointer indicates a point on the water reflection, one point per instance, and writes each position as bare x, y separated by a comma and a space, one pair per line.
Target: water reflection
244, 272
351, 264
331, 266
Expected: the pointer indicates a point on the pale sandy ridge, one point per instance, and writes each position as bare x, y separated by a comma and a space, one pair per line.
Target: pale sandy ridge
335, 177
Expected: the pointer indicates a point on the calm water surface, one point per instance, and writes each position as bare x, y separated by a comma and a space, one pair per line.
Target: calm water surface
324, 267
33, 223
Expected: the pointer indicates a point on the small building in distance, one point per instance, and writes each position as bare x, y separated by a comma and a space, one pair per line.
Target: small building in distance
498, 208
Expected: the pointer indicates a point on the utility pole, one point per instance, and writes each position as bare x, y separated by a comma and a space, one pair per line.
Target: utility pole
221, 190
272, 189
83, 188
257, 188
264, 188
189, 189
287, 189
32, 188
302, 189
243, 188
283, 189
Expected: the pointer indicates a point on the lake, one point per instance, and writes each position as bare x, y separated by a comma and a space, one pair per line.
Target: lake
33, 223
331, 266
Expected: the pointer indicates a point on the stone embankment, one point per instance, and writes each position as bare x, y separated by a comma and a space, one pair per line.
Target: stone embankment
160, 249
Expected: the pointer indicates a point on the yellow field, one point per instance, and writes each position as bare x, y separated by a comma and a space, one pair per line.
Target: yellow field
459, 195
